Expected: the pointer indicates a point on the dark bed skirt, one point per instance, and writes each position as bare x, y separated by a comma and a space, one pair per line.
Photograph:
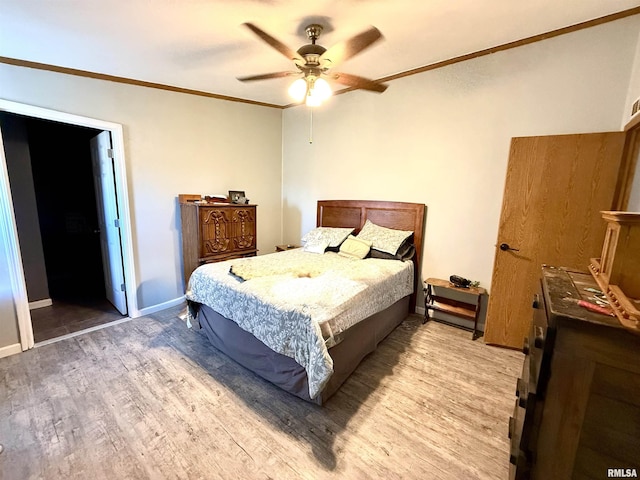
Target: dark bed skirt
358, 341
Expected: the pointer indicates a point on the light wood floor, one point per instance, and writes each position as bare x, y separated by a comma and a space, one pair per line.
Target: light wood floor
150, 399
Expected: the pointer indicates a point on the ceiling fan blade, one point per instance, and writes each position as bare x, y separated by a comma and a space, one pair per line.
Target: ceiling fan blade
267, 76
357, 82
277, 44
348, 48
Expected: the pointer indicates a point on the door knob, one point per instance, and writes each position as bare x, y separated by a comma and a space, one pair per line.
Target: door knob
505, 246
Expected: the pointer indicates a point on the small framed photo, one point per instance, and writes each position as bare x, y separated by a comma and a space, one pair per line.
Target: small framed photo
237, 196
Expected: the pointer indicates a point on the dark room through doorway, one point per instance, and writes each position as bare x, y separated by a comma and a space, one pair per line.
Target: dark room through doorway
54, 198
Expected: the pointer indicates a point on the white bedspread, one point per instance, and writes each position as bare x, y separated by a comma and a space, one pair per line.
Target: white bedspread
297, 302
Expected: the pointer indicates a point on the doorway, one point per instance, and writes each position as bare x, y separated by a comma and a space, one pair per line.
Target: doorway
54, 199
9, 235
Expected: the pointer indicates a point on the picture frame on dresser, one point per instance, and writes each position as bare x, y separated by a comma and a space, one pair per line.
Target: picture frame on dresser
237, 196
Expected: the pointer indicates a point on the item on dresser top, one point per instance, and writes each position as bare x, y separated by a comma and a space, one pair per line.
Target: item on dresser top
238, 197
216, 199
592, 307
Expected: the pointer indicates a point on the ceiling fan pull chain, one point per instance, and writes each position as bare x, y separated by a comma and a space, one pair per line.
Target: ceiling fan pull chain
311, 125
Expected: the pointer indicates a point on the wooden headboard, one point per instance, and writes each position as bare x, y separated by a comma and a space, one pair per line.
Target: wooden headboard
397, 215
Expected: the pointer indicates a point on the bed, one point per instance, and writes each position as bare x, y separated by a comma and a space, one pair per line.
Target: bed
303, 320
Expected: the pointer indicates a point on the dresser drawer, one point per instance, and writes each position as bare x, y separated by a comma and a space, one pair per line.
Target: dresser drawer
521, 423
539, 346
215, 231
226, 229
529, 392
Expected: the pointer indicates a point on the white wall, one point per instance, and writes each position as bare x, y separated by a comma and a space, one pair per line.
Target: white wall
442, 138
634, 85
634, 197
174, 143
632, 96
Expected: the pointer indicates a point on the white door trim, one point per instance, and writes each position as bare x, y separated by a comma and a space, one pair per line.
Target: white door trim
9, 225
9, 237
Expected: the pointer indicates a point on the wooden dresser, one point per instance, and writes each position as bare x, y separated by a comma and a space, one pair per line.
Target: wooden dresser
212, 232
577, 408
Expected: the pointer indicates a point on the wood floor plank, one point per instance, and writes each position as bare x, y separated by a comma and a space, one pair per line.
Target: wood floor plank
151, 399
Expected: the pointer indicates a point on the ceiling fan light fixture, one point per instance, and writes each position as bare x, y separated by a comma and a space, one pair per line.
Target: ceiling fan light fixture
298, 89
321, 89
311, 89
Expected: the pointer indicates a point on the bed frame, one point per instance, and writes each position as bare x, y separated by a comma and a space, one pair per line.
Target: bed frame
359, 340
397, 215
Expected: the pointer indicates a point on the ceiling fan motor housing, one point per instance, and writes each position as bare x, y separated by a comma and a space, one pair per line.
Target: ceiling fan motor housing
313, 31
311, 53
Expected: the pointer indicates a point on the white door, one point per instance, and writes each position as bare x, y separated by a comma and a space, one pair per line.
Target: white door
108, 221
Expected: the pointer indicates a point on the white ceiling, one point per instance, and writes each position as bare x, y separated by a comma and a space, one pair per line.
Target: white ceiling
202, 45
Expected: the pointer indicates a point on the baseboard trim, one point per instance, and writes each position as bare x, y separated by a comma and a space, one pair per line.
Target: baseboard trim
45, 302
10, 350
162, 306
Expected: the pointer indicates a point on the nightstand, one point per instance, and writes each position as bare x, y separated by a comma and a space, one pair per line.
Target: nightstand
443, 296
288, 246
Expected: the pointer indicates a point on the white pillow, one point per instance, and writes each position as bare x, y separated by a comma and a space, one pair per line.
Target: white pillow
354, 247
334, 236
382, 238
316, 246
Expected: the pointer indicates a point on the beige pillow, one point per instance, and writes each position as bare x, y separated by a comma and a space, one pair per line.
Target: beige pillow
334, 236
384, 239
355, 247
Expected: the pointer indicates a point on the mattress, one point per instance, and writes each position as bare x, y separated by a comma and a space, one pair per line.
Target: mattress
299, 303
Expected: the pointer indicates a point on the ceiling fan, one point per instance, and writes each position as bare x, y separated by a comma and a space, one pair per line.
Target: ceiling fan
313, 62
